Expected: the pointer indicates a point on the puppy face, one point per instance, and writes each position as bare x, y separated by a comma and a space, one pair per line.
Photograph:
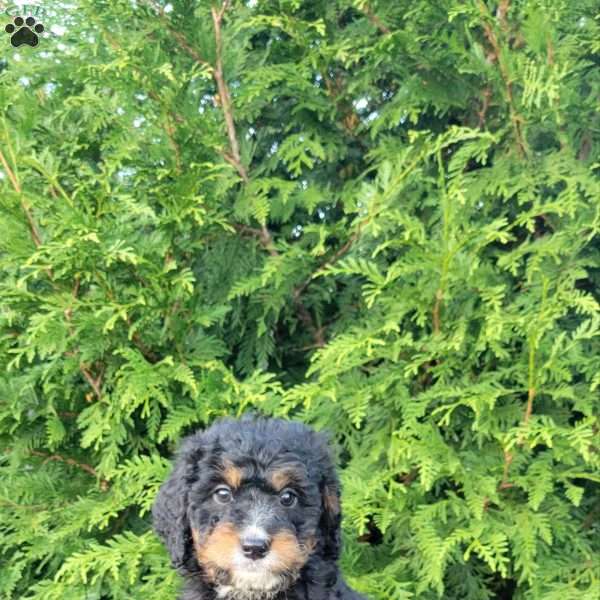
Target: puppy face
256, 499
254, 525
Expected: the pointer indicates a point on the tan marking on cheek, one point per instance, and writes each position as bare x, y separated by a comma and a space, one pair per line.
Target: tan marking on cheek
232, 475
218, 549
287, 551
209, 571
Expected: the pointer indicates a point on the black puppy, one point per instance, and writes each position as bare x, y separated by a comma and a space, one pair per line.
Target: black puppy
251, 511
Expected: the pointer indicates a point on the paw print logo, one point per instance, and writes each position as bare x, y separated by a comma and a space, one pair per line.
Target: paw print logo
26, 31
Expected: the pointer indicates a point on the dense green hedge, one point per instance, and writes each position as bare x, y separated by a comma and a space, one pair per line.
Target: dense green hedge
381, 217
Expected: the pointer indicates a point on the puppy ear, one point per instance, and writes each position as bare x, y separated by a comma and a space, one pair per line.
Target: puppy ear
331, 517
169, 512
331, 514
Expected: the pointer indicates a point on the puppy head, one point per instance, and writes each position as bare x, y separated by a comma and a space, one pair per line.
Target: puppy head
249, 504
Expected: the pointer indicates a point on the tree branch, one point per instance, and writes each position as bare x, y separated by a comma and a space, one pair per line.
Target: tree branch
485, 104
375, 20
170, 131
26, 209
104, 484
176, 34
331, 261
94, 383
224, 96
435, 313
529, 407
496, 55
233, 157
504, 484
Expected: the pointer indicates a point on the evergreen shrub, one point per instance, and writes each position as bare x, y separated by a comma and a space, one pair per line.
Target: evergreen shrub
380, 217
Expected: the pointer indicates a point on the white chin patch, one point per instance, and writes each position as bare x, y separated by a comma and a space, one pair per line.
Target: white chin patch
258, 580
251, 579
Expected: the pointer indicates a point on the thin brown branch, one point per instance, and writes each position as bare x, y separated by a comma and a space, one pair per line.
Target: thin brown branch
182, 41
70, 461
68, 414
485, 104
508, 456
550, 48
228, 158
496, 56
332, 260
529, 407
299, 290
334, 89
263, 235
267, 241
501, 13
504, 484
234, 158
409, 477
76, 285
375, 20
26, 209
74, 292
149, 355
224, 96
241, 228
176, 34
94, 383
585, 147
435, 313
170, 131
173, 114
14, 181
307, 321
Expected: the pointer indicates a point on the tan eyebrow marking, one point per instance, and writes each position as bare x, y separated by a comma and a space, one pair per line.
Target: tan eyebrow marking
231, 474
281, 478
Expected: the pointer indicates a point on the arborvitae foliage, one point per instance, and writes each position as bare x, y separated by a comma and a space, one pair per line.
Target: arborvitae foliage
380, 217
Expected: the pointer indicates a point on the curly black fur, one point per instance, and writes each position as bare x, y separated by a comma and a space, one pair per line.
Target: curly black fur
256, 446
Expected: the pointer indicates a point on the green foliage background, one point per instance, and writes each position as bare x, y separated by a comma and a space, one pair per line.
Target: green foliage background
380, 217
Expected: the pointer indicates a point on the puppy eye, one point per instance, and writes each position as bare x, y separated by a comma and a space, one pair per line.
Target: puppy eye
287, 498
223, 495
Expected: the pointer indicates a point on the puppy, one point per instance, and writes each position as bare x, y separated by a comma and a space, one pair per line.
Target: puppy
251, 511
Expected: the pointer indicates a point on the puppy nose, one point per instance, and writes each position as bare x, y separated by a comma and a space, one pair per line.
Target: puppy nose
255, 548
